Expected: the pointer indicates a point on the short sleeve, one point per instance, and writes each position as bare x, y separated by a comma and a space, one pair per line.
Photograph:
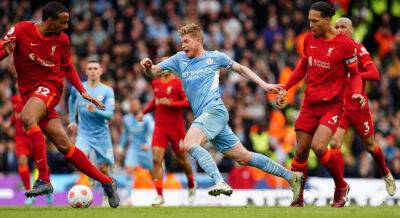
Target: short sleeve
349, 52
224, 61
171, 64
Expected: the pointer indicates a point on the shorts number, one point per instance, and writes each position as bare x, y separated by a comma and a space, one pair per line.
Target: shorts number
42, 91
366, 130
334, 120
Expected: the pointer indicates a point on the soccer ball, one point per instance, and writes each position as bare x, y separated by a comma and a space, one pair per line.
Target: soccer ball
80, 196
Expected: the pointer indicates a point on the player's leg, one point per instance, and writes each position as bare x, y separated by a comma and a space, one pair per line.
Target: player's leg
194, 138
33, 111
23, 171
321, 138
176, 138
157, 173
56, 133
244, 157
336, 144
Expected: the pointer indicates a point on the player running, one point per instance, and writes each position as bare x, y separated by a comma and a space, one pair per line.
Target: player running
169, 103
42, 57
360, 118
138, 134
93, 130
198, 70
327, 57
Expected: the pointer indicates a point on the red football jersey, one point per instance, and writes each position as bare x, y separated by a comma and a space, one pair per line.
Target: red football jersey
172, 115
364, 59
39, 59
17, 108
327, 66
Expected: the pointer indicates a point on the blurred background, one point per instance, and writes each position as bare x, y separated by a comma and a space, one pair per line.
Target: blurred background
262, 34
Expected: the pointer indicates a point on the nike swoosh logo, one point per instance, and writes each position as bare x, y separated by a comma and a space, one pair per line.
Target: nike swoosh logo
34, 44
313, 46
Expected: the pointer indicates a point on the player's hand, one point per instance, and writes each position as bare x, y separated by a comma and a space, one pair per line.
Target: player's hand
146, 63
72, 127
96, 102
91, 108
139, 116
273, 88
280, 100
9, 45
145, 147
359, 98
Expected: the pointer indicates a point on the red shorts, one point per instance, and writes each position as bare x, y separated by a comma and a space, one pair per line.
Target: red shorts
313, 115
22, 146
50, 95
163, 135
361, 121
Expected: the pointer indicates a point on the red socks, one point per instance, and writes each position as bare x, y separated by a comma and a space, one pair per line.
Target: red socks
38, 146
380, 160
339, 156
190, 181
24, 173
82, 163
158, 183
332, 165
300, 167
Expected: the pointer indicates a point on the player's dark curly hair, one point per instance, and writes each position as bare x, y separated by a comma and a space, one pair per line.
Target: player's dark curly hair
53, 9
325, 8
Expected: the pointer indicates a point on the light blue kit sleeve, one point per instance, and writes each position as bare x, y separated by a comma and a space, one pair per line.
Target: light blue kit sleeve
72, 104
224, 61
109, 100
124, 135
171, 63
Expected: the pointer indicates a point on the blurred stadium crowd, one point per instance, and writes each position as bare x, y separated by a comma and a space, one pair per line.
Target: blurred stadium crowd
262, 34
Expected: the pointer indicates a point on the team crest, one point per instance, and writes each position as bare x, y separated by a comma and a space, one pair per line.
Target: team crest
209, 61
53, 49
330, 51
169, 90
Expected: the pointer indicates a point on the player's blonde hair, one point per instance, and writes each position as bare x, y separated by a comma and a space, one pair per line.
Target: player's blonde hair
193, 30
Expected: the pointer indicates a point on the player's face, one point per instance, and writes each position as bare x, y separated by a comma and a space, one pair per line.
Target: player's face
190, 45
93, 71
344, 27
135, 106
56, 26
318, 24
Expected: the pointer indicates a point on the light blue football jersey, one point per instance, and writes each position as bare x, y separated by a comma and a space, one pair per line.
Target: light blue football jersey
137, 133
200, 77
92, 124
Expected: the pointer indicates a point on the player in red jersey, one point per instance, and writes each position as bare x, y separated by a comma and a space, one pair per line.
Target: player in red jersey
360, 118
169, 103
42, 57
327, 58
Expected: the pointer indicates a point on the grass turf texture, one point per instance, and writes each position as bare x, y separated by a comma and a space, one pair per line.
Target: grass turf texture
201, 212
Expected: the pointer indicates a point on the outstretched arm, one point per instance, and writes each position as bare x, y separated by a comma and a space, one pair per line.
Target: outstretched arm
371, 72
298, 74
150, 69
249, 74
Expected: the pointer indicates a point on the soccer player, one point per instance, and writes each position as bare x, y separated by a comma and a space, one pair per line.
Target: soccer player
139, 134
42, 57
327, 57
198, 70
93, 131
360, 118
169, 103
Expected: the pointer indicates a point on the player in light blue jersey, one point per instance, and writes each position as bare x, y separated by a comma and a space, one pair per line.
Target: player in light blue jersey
198, 70
139, 135
93, 132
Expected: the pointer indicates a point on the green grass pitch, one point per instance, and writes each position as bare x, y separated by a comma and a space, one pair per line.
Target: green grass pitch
201, 212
